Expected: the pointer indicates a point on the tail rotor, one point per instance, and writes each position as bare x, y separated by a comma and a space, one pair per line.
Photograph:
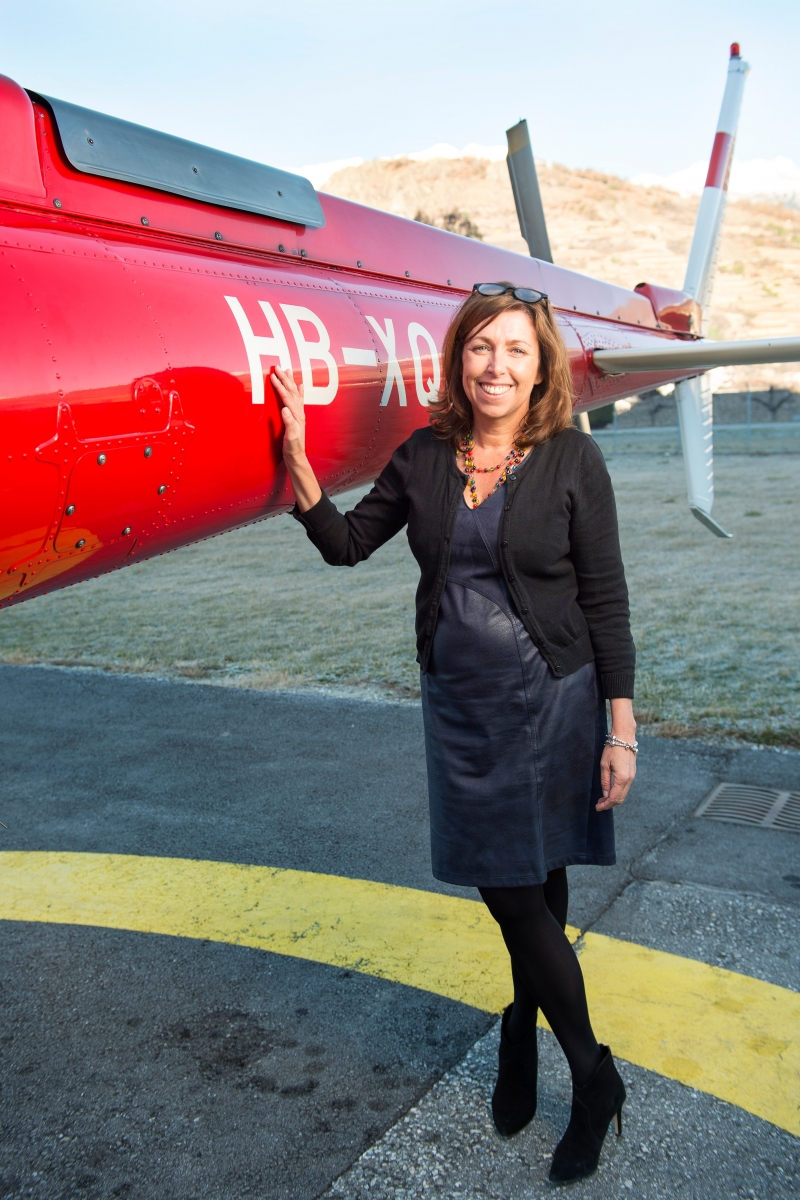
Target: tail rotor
694, 399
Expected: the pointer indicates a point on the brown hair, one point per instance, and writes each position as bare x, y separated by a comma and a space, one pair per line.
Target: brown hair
550, 408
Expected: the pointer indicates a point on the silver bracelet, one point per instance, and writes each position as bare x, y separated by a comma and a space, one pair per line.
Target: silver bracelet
615, 741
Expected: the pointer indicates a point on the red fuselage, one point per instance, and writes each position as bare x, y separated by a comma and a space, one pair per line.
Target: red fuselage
135, 404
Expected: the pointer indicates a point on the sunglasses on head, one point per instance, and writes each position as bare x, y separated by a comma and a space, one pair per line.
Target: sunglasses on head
526, 295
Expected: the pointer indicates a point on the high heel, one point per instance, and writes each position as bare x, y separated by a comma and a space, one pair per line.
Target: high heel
514, 1099
593, 1107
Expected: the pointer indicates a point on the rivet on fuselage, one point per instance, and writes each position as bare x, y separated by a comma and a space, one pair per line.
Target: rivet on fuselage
57, 203
80, 542
145, 221
358, 264
148, 450
126, 531
302, 253
70, 509
162, 489
449, 283
218, 236
281, 247
90, 141
101, 458
408, 274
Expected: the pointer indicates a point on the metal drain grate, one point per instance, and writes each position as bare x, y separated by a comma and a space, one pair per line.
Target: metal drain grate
741, 804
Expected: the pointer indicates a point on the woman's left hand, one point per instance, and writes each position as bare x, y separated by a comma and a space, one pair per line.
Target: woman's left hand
617, 773
618, 765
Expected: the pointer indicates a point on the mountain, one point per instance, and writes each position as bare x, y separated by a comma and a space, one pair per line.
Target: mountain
615, 229
771, 179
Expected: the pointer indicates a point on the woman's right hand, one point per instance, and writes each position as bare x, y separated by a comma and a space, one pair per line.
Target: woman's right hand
293, 412
304, 482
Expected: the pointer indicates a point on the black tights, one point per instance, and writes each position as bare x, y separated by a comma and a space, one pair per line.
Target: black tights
545, 968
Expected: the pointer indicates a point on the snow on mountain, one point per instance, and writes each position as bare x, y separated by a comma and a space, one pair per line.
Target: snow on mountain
755, 178
445, 150
320, 173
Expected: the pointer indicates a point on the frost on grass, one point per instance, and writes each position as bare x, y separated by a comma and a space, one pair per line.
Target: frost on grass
715, 622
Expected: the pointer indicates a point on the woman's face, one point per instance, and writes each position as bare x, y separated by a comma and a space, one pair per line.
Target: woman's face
500, 367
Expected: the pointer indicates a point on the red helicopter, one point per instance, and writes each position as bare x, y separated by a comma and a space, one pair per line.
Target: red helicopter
152, 284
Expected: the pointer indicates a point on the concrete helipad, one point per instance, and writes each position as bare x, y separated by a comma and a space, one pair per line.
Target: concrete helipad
228, 972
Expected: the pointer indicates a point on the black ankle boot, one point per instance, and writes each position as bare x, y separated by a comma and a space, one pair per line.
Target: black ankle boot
593, 1106
514, 1099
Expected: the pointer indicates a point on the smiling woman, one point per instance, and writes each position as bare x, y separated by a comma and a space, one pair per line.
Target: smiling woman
522, 633
534, 398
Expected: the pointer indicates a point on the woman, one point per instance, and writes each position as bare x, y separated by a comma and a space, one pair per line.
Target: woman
522, 634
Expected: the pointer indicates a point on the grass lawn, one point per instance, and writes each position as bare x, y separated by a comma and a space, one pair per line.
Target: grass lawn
716, 622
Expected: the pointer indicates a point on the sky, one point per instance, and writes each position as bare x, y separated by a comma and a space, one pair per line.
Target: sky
617, 86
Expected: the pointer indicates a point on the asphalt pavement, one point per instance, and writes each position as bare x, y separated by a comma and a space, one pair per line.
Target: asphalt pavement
147, 1066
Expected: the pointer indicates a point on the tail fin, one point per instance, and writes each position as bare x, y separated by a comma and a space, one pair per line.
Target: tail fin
695, 412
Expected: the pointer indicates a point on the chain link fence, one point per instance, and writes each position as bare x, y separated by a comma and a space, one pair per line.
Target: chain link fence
766, 422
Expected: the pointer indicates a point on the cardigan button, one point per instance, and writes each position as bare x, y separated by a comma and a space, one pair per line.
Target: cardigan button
504, 543
507, 508
523, 610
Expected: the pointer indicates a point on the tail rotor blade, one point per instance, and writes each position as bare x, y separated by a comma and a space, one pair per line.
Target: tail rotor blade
527, 196
708, 226
695, 408
695, 417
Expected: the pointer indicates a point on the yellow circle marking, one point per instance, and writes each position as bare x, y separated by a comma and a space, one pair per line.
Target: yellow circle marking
727, 1034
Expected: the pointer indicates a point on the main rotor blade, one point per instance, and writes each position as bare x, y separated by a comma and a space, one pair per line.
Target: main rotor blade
527, 197
701, 355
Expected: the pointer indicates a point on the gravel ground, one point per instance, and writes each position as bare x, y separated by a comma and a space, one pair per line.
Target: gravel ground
158, 1068
748, 933
447, 1145
716, 622
115, 1076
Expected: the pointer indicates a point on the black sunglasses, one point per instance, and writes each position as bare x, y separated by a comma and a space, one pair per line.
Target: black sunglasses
526, 295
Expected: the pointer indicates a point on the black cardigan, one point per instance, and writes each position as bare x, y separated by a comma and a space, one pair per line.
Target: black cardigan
559, 546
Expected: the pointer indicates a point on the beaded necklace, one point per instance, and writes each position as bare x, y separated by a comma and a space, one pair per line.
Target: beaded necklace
511, 462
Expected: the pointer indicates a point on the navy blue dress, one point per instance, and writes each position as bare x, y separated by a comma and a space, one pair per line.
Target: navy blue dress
513, 753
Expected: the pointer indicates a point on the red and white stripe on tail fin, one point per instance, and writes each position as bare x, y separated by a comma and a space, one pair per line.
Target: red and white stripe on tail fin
694, 400
708, 226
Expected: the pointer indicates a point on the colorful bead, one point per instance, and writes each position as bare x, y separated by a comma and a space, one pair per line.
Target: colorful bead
513, 459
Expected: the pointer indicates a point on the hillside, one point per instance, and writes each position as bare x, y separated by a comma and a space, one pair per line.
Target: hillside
616, 230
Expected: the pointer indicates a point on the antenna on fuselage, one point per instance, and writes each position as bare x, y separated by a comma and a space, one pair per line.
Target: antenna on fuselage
527, 197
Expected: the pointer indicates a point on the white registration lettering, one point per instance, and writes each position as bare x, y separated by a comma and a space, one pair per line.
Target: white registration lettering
393, 373
428, 389
257, 346
316, 351
353, 357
